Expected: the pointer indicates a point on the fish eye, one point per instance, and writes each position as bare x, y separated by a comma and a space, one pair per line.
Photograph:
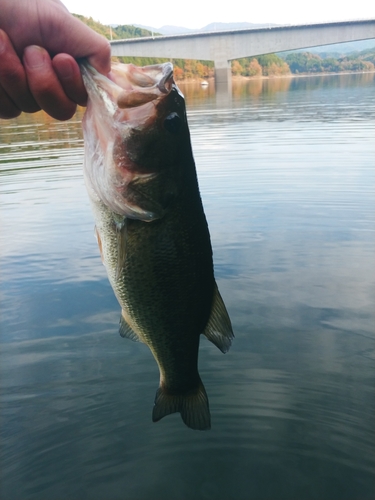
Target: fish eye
172, 123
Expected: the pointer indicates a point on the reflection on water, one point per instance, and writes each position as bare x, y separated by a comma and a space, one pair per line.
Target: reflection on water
287, 180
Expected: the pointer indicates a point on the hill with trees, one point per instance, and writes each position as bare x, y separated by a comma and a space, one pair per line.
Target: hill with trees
298, 63
118, 32
305, 62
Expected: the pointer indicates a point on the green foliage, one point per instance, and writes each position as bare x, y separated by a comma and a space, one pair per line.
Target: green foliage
348, 64
183, 68
117, 33
367, 55
269, 64
141, 61
330, 65
269, 59
126, 31
96, 26
305, 62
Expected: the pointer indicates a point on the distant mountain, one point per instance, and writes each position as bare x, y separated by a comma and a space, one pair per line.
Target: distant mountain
235, 26
179, 30
172, 30
336, 50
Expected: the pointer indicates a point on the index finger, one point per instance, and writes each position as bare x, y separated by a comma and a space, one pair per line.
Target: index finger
80, 42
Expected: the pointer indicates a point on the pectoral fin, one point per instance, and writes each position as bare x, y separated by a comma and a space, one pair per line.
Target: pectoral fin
98, 239
219, 328
127, 331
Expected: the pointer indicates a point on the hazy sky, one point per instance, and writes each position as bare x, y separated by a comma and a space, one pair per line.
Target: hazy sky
198, 13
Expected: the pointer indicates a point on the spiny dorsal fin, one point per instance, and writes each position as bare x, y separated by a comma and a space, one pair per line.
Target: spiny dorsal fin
219, 328
193, 407
127, 331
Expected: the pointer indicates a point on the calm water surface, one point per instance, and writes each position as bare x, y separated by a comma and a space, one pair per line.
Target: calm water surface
286, 173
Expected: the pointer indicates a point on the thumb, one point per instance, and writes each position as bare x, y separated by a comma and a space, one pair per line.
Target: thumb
73, 37
61, 32
101, 59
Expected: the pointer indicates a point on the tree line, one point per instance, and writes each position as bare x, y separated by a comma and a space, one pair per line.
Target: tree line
266, 65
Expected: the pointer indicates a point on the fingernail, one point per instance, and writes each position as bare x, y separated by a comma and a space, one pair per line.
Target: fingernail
34, 57
102, 60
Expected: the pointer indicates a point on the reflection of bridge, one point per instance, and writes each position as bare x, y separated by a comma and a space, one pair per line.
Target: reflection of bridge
222, 47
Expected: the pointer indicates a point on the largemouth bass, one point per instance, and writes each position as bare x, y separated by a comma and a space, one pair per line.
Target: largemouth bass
151, 229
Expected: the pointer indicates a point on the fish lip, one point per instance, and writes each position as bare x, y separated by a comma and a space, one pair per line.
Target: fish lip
166, 78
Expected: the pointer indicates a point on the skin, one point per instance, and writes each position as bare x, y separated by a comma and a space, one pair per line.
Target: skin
39, 44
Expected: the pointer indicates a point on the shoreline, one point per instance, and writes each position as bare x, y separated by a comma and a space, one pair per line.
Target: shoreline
301, 75
273, 77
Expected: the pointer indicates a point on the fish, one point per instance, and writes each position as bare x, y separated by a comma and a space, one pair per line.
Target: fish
151, 228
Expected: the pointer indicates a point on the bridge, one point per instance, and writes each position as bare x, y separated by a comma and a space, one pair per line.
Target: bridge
224, 46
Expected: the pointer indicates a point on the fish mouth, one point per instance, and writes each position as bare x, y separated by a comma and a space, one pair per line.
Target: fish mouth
127, 86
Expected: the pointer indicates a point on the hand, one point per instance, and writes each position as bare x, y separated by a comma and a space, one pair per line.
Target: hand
39, 44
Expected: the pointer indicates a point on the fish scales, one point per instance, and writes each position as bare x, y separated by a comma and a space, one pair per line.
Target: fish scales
151, 228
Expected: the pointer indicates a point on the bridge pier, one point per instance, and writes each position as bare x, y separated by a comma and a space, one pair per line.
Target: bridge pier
223, 76
223, 80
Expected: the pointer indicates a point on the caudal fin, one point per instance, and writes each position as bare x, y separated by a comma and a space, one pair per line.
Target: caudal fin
193, 407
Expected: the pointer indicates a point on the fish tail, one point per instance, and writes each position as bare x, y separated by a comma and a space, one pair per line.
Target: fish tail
193, 407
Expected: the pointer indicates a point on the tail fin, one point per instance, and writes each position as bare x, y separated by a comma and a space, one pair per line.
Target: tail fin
193, 407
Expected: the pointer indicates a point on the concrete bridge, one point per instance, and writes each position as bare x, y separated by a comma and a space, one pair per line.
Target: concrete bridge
224, 46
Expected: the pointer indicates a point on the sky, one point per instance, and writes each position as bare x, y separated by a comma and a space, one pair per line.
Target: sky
198, 13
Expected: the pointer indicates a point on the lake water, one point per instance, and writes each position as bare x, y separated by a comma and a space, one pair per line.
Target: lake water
286, 172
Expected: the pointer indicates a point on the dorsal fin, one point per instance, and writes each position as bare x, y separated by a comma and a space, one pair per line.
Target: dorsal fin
126, 330
219, 328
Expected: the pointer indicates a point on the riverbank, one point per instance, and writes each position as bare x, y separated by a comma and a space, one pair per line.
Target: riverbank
273, 77
299, 75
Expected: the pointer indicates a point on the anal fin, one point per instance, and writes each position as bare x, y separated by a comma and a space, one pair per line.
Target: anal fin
219, 328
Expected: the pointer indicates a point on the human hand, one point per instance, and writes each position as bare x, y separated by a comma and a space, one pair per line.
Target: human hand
39, 44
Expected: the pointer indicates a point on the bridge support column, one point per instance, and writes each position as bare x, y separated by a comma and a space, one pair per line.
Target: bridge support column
223, 77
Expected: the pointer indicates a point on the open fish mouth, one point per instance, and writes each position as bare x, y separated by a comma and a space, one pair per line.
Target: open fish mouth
128, 86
